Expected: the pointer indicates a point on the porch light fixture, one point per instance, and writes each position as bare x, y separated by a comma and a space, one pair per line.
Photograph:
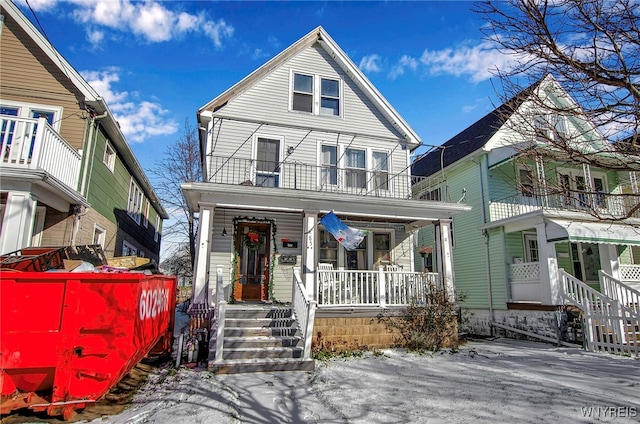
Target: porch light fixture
224, 219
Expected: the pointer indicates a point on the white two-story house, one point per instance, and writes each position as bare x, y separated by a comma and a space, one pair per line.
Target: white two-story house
304, 135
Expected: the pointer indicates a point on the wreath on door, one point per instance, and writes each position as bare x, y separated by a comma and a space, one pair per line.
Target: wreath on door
253, 240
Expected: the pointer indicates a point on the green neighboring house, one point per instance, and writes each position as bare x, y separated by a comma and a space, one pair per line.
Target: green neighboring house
67, 173
539, 225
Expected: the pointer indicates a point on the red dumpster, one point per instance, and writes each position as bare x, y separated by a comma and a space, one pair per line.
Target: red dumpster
67, 338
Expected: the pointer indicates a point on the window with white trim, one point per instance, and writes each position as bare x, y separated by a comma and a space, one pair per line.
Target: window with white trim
355, 168
329, 164
128, 249
316, 94
380, 171
99, 235
375, 250
267, 162
134, 206
109, 158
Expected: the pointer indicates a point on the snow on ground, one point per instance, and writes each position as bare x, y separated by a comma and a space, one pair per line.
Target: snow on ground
493, 381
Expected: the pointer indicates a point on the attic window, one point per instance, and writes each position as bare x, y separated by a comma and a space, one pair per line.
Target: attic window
315, 94
303, 93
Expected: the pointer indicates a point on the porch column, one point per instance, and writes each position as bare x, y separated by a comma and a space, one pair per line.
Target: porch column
443, 253
201, 266
549, 277
609, 260
309, 223
18, 221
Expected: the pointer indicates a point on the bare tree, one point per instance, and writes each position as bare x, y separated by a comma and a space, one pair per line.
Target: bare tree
180, 163
571, 93
591, 47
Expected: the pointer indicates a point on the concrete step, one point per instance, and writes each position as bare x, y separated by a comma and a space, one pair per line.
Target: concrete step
258, 312
260, 342
262, 352
258, 322
237, 366
260, 331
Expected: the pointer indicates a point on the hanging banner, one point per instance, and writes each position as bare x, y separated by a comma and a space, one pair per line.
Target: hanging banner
347, 236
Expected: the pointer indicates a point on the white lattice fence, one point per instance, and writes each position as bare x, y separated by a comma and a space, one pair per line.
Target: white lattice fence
528, 271
630, 273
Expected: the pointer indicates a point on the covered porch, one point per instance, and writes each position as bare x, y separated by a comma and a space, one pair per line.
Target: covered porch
582, 248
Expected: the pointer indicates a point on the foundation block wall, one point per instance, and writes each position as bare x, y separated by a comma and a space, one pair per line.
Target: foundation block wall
544, 323
352, 333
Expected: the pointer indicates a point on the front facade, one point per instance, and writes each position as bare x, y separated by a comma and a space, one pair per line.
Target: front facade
538, 221
305, 135
67, 174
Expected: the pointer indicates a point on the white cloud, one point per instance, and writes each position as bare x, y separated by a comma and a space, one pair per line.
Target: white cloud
404, 63
370, 63
468, 108
476, 61
95, 37
139, 120
150, 20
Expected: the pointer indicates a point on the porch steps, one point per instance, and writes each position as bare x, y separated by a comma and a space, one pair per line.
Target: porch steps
260, 338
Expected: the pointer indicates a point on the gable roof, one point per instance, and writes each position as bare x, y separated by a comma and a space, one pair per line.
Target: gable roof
89, 100
320, 36
472, 138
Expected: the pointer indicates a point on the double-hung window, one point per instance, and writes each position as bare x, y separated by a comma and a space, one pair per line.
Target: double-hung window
380, 171
267, 162
109, 157
134, 207
316, 94
355, 168
329, 163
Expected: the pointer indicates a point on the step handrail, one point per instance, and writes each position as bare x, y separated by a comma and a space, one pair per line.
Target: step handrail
606, 319
303, 309
616, 289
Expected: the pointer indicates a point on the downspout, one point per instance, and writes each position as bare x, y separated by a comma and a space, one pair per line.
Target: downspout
485, 235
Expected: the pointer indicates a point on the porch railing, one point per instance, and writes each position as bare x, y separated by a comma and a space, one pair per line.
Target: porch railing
627, 296
31, 143
296, 175
379, 288
608, 324
525, 282
600, 204
304, 310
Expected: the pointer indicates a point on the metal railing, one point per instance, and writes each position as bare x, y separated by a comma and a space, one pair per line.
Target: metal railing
33, 144
304, 311
379, 288
295, 175
599, 204
608, 324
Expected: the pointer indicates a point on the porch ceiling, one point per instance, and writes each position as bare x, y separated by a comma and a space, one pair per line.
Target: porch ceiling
591, 232
420, 212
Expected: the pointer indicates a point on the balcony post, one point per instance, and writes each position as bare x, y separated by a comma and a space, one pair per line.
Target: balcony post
309, 223
443, 252
549, 279
201, 266
37, 143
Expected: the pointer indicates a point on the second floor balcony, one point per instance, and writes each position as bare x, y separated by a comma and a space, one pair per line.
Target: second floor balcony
32, 144
601, 205
296, 175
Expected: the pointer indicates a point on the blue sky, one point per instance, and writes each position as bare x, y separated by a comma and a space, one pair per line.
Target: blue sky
156, 63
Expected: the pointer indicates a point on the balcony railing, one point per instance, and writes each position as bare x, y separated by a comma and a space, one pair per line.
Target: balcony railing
31, 143
595, 203
295, 175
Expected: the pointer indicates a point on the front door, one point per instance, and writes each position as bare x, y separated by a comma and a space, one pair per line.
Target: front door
253, 247
586, 263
